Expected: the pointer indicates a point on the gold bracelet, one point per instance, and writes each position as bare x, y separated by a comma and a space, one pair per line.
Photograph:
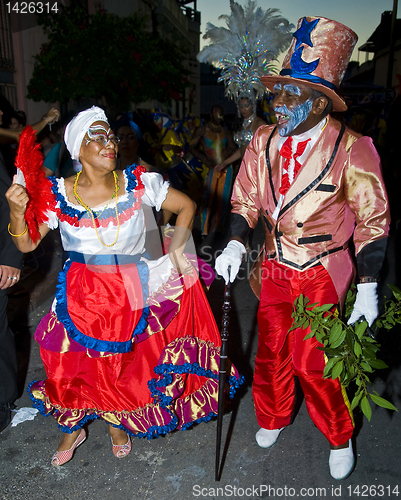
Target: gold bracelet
18, 235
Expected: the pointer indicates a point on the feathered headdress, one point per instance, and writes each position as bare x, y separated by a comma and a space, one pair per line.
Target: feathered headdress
246, 49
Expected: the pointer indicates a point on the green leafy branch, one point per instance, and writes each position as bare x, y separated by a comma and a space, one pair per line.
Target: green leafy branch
351, 350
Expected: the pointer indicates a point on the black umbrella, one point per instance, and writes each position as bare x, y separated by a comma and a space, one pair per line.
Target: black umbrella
222, 372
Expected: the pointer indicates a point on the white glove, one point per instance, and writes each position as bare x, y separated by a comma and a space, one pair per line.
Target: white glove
231, 256
366, 303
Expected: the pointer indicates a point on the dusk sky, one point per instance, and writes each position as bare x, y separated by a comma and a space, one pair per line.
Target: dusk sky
363, 16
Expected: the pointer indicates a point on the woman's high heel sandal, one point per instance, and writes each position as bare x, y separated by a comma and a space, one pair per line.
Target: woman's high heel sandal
61, 457
121, 450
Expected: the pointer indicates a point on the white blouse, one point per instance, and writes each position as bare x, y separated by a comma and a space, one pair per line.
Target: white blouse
78, 233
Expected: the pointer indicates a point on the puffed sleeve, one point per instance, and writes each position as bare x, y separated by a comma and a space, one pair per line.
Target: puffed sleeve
367, 197
245, 200
155, 189
52, 219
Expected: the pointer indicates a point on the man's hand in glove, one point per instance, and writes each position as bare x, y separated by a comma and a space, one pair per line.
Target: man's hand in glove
366, 303
231, 256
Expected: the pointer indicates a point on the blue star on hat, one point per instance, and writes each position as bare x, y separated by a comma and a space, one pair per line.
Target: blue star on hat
303, 34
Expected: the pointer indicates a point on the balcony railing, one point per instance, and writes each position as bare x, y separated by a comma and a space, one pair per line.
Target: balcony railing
6, 47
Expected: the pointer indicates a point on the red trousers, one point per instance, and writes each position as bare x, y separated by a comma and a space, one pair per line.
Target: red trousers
282, 355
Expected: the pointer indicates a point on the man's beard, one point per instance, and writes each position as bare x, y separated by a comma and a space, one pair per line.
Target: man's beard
297, 116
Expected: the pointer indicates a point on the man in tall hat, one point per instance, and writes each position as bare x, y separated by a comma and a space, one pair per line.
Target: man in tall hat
315, 183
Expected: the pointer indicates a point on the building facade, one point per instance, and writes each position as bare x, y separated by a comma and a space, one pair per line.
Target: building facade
21, 39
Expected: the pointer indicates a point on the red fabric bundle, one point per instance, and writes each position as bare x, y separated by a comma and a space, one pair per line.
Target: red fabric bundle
30, 161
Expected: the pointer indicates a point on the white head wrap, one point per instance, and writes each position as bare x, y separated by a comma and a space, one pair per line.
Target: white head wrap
76, 129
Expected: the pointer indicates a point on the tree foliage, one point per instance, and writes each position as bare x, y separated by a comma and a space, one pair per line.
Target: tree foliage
350, 350
96, 55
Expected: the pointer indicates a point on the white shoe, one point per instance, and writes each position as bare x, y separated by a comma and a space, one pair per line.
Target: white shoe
341, 462
266, 438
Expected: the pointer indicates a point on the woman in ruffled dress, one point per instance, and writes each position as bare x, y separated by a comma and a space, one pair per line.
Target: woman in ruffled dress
128, 340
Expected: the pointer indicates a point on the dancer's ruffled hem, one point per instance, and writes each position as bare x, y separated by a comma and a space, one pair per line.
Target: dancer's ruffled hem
170, 410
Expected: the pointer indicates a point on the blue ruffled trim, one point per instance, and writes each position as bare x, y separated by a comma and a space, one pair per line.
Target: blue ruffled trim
37, 403
167, 369
66, 209
194, 368
99, 345
235, 383
154, 431
158, 396
68, 430
108, 213
164, 401
198, 421
132, 180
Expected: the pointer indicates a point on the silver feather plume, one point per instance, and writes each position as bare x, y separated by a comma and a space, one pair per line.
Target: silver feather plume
247, 48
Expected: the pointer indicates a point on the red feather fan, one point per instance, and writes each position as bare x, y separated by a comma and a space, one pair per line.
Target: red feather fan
30, 161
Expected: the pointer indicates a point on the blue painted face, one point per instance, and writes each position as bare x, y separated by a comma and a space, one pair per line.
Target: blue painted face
297, 116
292, 108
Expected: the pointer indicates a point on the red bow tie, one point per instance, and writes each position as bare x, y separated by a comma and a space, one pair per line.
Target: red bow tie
286, 152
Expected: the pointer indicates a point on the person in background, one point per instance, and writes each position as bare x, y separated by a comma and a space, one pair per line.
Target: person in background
190, 123
212, 143
166, 146
10, 136
255, 38
10, 270
315, 184
57, 160
18, 119
250, 122
130, 136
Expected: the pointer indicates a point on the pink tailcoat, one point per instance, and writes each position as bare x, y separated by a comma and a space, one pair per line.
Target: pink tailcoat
339, 191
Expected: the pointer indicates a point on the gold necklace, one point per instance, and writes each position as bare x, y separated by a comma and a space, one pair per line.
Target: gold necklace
77, 197
91, 212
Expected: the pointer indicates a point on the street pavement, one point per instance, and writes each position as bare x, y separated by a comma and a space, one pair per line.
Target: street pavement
181, 464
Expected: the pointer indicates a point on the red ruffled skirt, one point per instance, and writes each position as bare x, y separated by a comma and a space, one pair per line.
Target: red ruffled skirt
167, 380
